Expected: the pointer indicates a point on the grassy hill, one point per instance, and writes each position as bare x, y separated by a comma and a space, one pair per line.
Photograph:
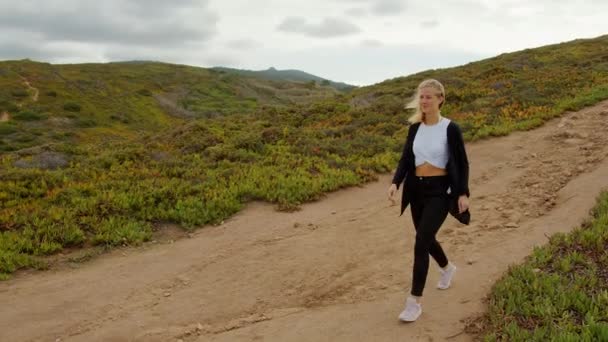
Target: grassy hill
54, 103
287, 75
511, 91
116, 150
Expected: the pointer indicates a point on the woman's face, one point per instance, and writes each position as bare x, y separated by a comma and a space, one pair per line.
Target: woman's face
429, 100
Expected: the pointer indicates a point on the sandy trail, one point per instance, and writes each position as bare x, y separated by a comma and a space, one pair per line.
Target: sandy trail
29, 86
338, 270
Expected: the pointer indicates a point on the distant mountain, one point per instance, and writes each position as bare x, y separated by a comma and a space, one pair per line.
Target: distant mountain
287, 75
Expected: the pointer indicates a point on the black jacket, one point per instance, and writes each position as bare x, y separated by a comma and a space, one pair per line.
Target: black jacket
457, 168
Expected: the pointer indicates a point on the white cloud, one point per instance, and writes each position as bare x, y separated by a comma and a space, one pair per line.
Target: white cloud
326, 28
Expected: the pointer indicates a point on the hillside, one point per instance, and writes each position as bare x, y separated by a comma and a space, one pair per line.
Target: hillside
287, 75
43, 103
508, 92
108, 165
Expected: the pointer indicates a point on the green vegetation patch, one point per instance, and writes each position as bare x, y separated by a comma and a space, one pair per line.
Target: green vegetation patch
560, 293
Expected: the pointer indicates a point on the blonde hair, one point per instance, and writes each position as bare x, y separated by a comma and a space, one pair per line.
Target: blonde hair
415, 102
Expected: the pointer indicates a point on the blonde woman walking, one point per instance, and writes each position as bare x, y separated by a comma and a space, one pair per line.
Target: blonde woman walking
434, 169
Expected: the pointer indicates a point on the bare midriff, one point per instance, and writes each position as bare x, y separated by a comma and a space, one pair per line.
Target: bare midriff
427, 170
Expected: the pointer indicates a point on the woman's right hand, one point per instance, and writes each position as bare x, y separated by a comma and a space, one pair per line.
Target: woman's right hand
392, 190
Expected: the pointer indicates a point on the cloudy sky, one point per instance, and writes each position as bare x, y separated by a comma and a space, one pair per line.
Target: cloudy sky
355, 41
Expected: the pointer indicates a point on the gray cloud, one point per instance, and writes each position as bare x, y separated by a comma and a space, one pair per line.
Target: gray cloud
20, 50
21, 45
388, 7
131, 22
356, 12
191, 55
125, 53
376, 7
242, 44
371, 43
429, 23
328, 27
160, 7
221, 60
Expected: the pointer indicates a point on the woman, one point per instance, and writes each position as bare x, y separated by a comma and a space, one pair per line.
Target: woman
435, 169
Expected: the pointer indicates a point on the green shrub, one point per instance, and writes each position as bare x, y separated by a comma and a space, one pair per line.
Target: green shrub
19, 93
560, 292
7, 128
85, 122
249, 140
144, 92
27, 115
72, 107
122, 231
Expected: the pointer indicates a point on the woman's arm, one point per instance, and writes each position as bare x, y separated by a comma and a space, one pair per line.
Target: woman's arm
461, 159
403, 161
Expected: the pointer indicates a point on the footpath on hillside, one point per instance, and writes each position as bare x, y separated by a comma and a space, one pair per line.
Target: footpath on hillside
337, 270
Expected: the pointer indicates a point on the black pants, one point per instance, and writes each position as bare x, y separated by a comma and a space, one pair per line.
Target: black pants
429, 205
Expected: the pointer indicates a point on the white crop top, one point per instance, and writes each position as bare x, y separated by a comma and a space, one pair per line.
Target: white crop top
431, 144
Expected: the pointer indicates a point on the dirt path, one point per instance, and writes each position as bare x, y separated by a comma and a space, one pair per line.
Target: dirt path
29, 86
338, 270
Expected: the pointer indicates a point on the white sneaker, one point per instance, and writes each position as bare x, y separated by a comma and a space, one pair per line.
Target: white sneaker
446, 276
412, 310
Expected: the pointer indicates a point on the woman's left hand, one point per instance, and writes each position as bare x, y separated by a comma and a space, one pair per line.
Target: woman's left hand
463, 203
